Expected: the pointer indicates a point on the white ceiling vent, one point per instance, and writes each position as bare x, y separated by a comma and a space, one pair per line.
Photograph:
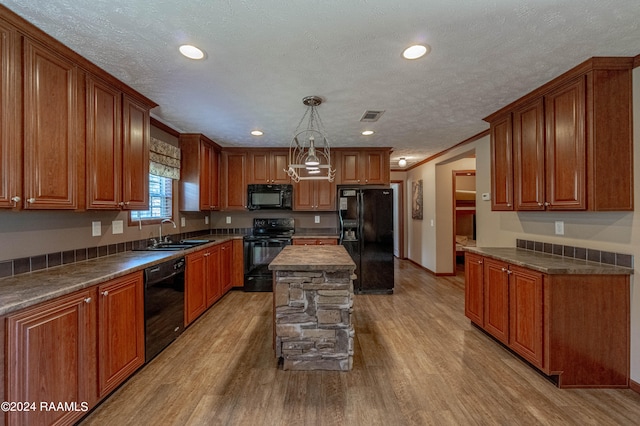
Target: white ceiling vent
370, 115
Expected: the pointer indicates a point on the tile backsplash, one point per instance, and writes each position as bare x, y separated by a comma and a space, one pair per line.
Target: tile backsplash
593, 255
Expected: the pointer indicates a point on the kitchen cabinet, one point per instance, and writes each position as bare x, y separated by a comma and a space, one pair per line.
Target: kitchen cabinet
315, 241
237, 275
10, 118
213, 278
268, 166
226, 266
574, 328
200, 170
502, 163
51, 357
121, 343
234, 184
314, 195
195, 286
572, 142
135, 153
53, 123
117, 144
364, 167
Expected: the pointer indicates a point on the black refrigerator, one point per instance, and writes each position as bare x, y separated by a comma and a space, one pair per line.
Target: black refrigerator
366, 232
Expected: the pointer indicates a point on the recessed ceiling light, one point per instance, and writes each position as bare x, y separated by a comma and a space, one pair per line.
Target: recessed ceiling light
257, 132
416, 51
367, 132
191, 52
402, 162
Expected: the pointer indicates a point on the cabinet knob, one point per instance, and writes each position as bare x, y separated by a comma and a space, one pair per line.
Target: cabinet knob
31, 200
546, 203
540, 204
509, 272
479, 262
87, 300
15, 199
508, 204
121, 203
105, 293
504, 269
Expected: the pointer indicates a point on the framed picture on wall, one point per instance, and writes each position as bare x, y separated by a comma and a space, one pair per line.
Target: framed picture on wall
416, 197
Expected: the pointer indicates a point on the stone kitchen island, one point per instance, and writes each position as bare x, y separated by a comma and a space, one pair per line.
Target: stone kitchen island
312, 306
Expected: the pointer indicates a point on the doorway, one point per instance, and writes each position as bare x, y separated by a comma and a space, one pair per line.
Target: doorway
464, 214
398, 218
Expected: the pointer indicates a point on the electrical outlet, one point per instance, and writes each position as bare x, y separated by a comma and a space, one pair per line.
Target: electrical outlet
486, 196
559, 227
317, 219
206, 220
117, 227
96, 228
228, 220
183, 221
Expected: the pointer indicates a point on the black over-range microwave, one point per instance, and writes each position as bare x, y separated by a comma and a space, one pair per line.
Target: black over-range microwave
261, 196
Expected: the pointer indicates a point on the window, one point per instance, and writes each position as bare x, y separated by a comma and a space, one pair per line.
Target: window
160, 200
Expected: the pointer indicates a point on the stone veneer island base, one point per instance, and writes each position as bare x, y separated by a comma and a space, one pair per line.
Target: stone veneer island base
312, 305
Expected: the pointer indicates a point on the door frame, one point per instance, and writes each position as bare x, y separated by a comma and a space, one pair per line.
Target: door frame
455, 174
400, 217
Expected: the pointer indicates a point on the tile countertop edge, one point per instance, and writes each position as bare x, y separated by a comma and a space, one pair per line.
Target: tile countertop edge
547, 263
25, 290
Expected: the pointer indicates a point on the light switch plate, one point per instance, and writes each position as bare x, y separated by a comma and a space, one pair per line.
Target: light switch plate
559, 227
206, 220
431, 222
183, 221
228, 219
117, 227
96, 228
317, 219
486, 196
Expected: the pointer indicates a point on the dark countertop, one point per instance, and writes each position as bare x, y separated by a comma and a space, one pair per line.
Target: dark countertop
547, 263
24, 290
312, 258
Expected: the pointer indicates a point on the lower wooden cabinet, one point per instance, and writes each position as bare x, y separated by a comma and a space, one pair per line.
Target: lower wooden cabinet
51, 349
315, 241
195, 286
237, 274
574, 328
120, 330
226, 266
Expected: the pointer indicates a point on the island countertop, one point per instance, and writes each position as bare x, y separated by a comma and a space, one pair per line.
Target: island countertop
312, 258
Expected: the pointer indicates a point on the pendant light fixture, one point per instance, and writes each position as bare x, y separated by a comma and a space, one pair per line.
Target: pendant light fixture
309, 151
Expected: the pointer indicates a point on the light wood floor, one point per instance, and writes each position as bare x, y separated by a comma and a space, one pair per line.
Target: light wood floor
418, 361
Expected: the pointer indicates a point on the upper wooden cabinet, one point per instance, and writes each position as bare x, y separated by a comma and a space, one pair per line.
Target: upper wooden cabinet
135, 164
199, 182
10, 117
368, 166
502, 163
53, 141
234, 184
572, 142
314, 195
268, 166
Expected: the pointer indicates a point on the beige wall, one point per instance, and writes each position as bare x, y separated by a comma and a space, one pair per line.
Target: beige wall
615, 231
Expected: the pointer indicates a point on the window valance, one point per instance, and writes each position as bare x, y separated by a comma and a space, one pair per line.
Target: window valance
164, 159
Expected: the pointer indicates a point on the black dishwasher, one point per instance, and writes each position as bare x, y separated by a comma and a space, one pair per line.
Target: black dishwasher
163, 305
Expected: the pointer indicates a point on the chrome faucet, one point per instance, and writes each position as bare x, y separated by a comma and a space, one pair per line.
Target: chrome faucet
160, 231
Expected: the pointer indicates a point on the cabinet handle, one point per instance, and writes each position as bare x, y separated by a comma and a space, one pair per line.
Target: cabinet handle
87, 300
31, 200
479, 262
15, 199
121, 203
546, 203
509, 272
508, 204
105, 293
504, 269
540, 204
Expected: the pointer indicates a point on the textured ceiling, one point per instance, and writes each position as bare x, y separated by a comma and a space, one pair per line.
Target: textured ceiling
264, 56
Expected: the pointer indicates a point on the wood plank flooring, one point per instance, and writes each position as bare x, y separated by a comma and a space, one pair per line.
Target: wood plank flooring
418, 361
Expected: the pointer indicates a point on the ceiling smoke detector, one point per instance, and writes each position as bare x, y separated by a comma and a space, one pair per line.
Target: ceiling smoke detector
370, 116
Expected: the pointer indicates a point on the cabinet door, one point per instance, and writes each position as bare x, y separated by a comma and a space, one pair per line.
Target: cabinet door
120, 330
525, 304
303, 195
52, 140
135, 154
376, 168
226, 266
258, 170
528, 140
51, 352
235, 182
501, 164
327, 242
195, 293
304, 242
278, 167
325, 195
350, 168
209, 188
496, 299
10, 119
213, 287
104, 145
237, 276
566, 147
474, 288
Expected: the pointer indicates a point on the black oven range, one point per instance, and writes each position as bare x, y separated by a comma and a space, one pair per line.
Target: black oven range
269, 237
